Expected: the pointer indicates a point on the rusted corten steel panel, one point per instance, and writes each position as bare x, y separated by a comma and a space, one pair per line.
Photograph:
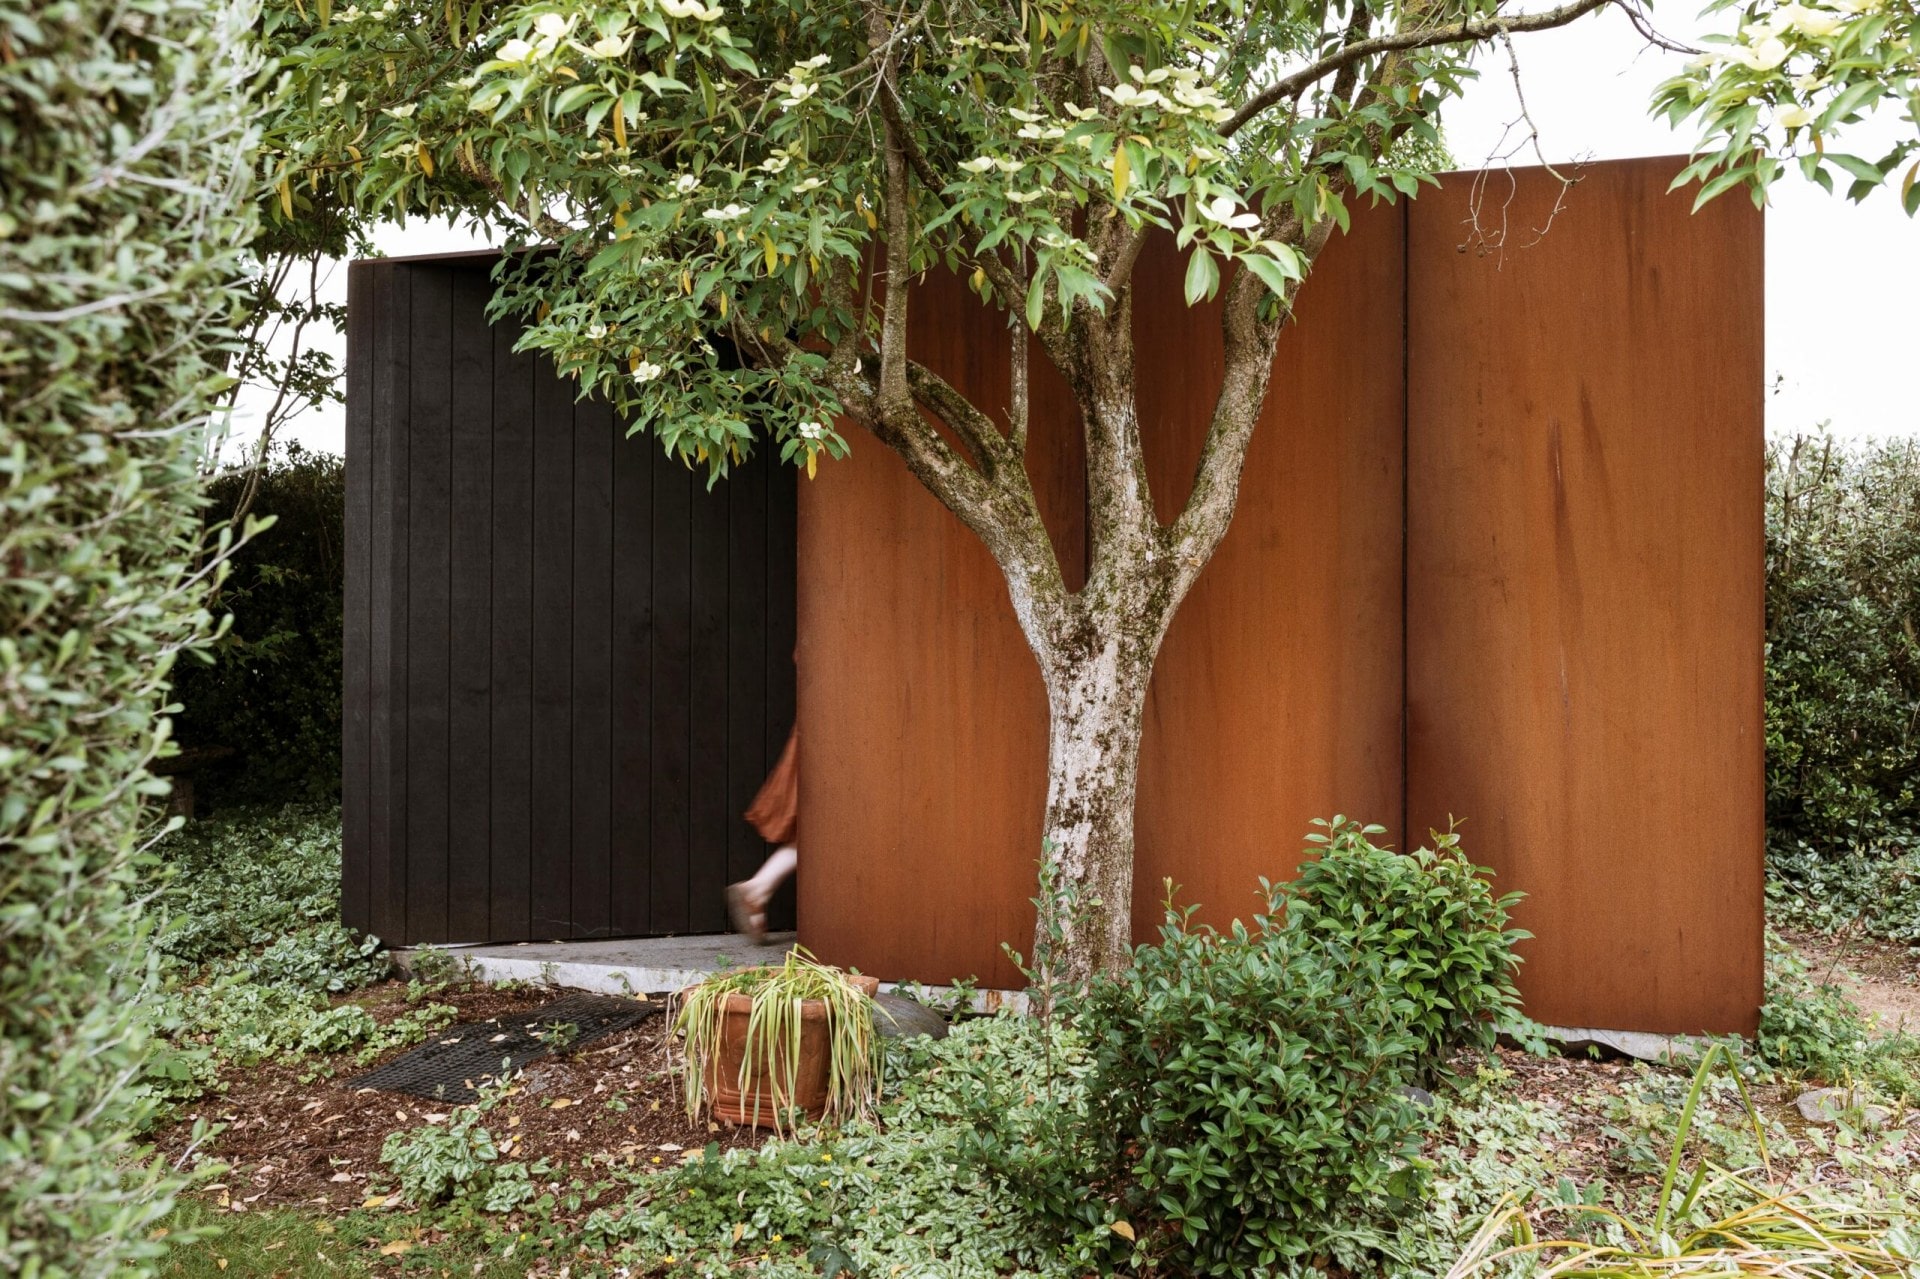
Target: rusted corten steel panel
923, 721
923, 716
1584, 592
1277, 695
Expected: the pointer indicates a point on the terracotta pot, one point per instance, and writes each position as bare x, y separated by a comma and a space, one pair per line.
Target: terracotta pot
768, 1090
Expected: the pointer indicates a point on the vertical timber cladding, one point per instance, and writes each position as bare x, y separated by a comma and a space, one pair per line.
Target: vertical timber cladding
1585, 584
567, 663
1277, 695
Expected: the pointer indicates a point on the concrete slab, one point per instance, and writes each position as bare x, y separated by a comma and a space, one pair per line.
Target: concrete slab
639, 965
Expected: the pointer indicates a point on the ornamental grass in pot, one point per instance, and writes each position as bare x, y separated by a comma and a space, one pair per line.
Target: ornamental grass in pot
765, 1043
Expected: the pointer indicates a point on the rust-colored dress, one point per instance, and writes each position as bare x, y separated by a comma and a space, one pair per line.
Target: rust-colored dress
775, 811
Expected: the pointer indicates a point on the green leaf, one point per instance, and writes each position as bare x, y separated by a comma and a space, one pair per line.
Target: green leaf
1203, 277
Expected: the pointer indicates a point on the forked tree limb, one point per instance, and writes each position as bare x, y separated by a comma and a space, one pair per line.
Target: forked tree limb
1470, 30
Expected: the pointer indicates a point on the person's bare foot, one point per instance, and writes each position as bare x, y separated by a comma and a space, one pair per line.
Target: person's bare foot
748, 916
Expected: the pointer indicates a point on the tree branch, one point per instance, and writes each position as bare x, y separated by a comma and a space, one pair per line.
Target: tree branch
1469, 30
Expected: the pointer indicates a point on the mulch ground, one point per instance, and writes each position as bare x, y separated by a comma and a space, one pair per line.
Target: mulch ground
299, 1134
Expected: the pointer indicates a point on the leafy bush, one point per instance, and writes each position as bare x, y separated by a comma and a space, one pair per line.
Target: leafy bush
124, 197
271, 692
1432, 918
1245, 1088
1843, 648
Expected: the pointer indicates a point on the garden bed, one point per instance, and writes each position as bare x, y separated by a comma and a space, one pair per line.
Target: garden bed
297, 1133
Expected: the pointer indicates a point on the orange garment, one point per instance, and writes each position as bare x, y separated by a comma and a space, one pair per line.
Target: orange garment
775, 811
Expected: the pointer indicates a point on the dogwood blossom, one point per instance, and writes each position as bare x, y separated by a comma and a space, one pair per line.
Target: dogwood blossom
402, 111
552, 26
686, 184
813, 430
515, 51
726, 213
1222, 208
690, 9
1792, 117
1125, 95
610, 46
646, 371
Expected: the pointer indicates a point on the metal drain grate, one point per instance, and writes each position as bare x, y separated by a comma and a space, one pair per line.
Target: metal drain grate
459, 1058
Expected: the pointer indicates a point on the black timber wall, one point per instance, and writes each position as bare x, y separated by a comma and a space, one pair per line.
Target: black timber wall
568, 664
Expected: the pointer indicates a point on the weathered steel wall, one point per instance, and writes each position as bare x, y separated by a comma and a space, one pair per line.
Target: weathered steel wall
1585, 582
568, 665
1564, 439
923, 719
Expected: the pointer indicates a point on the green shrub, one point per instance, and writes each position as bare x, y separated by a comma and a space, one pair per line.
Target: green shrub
1430, 916
1843, 648
1246, 1090
125, 200
271, 692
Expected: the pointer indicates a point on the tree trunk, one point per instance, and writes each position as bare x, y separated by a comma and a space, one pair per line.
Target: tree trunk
1095, 706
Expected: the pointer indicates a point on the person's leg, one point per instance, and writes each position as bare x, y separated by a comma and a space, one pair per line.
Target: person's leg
748, 899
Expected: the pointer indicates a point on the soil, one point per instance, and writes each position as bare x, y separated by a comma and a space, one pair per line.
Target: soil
1883, 978
299, 1133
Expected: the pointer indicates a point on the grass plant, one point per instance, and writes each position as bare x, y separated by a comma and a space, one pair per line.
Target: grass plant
774, 1028
1724, 1222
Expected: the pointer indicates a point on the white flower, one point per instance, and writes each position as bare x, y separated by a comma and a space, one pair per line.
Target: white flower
1221, 209
1082, 113
729, 213
402, 111
817, 61
1206, 154
1810, 22
350, 14
610, 46
1009, 166
515, 50
646, 371
686, 184
1809, 82
552, 26
1024, 117
1195, 96
596, 332
1030, 131
774, 163
813, 430
1024, 197
808, 184
1765, 55
690, 9
979, 164
1125, 95
1793, 117
1155, 76
797, 92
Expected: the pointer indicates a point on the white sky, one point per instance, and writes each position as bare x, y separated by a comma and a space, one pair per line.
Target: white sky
1843, 330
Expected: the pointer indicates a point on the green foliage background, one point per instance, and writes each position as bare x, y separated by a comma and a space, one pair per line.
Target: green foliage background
125, 147
272, 690
1843, 682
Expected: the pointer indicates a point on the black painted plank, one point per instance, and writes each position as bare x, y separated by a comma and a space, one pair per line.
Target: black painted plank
356, 691
592, 665
387, 552
782, 619
428, 519
469, 720
629, 877
510, 796
672, 669
710, 824
746, 661
553, 585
